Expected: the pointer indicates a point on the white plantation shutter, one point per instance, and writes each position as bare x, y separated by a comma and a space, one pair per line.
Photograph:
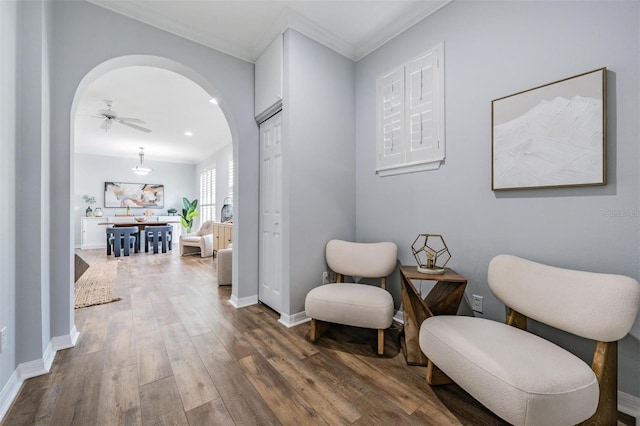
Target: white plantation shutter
390, 102
423, 110
410, 121
207, 195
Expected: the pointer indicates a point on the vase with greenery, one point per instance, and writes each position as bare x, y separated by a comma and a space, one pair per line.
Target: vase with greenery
188, 213
89, 199
172, 211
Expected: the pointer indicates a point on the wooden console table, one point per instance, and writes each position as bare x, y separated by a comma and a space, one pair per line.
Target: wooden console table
443, 299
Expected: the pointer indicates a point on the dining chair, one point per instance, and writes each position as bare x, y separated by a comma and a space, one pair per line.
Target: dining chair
158, 235
122, 239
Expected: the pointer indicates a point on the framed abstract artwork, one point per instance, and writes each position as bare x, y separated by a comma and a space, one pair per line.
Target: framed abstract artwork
552, 135
133, 195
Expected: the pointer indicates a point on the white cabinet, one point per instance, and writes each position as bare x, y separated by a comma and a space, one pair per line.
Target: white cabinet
93, 235
268, 80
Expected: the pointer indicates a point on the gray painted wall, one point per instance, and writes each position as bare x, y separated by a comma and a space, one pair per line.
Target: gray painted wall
32, 261
92, 171
319, 156
493, 49
8, 146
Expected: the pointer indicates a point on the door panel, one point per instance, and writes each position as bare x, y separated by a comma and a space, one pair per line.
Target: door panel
270, 258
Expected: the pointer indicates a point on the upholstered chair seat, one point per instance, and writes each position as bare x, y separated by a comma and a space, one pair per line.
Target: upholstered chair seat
351, 304
523, 378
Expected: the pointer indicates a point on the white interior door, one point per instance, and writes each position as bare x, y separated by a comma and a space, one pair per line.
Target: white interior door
270, 258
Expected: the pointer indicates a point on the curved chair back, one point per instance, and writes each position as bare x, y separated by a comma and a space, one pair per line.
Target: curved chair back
596, 306
367, 260
206, 228
158, 231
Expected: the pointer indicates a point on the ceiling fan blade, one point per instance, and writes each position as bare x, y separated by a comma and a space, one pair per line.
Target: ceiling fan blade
134, 126
134, 120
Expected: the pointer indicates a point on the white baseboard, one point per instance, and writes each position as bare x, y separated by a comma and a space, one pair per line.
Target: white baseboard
629, 404
48, 356
293, 320
30, 369
9, 393
38, 367
243, 301
66, 342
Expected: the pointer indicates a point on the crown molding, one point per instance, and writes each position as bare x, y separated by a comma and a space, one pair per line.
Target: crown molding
288, 19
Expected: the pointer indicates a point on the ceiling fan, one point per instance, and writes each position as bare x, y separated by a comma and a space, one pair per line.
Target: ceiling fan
108, 116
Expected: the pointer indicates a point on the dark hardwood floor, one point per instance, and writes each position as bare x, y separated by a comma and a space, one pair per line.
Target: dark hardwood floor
175, 352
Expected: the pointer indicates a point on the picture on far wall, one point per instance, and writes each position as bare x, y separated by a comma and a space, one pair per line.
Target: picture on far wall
133, 195
552, 135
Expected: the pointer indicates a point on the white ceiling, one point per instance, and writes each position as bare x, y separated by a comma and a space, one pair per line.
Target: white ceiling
170, 104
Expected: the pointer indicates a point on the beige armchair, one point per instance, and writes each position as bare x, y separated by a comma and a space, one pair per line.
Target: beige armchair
198, 242
358, 305
526, 379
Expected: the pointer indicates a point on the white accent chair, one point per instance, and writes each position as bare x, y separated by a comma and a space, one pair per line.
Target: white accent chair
198, 242
358, 305
523, 378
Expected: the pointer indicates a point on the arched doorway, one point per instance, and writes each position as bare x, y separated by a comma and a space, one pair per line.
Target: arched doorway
158, 63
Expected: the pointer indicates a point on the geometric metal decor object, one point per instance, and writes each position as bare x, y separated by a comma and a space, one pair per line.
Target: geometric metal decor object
431, 253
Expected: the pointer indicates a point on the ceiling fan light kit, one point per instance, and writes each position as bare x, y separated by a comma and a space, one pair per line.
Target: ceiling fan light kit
140, 169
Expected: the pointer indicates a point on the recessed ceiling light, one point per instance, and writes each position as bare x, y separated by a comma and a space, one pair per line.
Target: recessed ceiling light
213, 101
188, 133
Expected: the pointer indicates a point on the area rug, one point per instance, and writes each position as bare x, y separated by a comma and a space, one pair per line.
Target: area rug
94, 287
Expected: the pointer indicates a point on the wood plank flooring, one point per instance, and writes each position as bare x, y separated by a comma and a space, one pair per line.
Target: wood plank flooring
175, 352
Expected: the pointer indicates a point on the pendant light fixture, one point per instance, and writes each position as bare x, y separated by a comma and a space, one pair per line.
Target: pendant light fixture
140, 169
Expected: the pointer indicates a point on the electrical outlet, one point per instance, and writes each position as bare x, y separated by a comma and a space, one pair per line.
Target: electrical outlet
476, 304
325, 277
3, 338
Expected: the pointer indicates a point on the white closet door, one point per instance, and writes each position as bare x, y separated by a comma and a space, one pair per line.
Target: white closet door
270, 257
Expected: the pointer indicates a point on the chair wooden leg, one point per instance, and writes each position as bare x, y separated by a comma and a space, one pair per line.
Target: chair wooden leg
605, 366
435, 376
317, 328
313, 333
380, 342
